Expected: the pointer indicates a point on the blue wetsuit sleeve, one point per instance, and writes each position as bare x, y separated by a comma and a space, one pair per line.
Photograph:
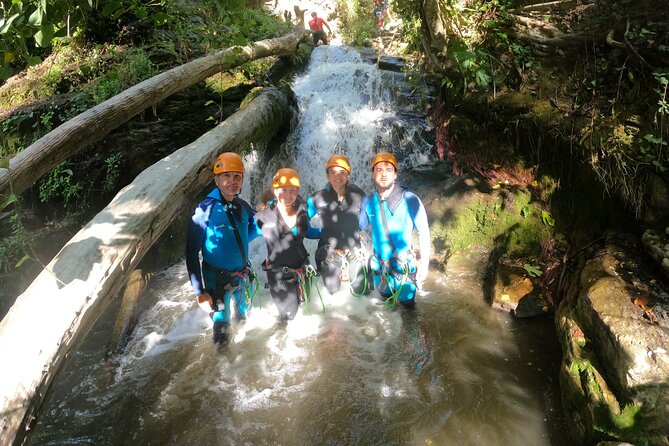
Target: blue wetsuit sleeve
196, 232
363, 219
311, 208
419, 217
254, 230
313, 233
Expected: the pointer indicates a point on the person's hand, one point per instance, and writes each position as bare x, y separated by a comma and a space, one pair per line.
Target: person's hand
205, 302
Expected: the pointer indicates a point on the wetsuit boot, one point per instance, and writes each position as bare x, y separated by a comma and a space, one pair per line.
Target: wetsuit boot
221, 333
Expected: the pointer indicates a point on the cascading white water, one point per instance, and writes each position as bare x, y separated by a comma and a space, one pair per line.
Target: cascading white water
450, 373
347, 106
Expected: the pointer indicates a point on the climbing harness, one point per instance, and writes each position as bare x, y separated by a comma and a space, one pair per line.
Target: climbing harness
231, 281
393, 267
305, 277
391, 272
248, 275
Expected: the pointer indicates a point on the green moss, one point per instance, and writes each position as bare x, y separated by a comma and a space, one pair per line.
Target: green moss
543, 112
624, 424
221, 82
254, 93
509, 221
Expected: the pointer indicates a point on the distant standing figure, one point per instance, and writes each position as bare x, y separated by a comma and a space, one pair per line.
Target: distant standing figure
316, 25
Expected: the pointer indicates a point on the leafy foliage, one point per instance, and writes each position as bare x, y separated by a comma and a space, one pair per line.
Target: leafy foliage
14, 247
532, 270
60, 185
28, 27
357, 21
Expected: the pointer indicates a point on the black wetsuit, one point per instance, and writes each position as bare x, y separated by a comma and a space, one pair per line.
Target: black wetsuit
286, 256
339, 250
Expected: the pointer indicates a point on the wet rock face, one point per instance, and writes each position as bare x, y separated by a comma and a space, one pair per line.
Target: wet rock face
615, 342
657, 204
656, 245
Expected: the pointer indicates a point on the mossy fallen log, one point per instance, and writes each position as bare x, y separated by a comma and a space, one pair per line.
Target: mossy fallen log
92, 125
59, 307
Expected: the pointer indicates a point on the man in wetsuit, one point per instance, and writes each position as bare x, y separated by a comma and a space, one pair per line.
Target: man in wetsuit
284, 225
393, 213
221, 227
316, 25
339, 255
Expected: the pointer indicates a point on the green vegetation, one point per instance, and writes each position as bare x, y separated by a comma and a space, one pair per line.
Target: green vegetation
548, 95
61, 186
624, 424
508, 218
29, 27
113, 172
358, 25
14, 249
108, 47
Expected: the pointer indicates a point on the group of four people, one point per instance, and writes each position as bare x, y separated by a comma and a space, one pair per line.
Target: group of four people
223, 224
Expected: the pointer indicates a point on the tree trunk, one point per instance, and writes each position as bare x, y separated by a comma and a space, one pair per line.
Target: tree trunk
92, 125
60, 306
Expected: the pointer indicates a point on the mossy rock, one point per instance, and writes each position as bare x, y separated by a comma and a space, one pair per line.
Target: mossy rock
506, 220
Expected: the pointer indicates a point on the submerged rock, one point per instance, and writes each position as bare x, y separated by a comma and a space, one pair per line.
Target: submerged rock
514, 291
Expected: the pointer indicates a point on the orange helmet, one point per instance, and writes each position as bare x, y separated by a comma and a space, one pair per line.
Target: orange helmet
338, 161
384, 156
285, 177
229, 162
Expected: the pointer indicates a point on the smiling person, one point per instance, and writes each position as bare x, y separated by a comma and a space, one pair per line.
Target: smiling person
393, 214
221, 227
284, 225
339, 255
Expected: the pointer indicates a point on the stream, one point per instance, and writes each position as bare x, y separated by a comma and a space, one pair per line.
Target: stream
347, 370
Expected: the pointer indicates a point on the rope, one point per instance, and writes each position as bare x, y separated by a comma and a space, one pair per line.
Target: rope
391, 301
310, 274
249, 296
363, 269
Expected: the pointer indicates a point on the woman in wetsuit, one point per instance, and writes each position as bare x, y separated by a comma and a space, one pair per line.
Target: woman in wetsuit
340, 255
284, 225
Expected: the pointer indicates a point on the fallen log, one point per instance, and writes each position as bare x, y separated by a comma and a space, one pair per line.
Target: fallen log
131, 308
59, 307
92, 125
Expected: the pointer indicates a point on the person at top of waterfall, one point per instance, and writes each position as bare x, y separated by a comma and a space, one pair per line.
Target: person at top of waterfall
378, 13
284, 224
393, 213
316, 25
340, 251
220, 228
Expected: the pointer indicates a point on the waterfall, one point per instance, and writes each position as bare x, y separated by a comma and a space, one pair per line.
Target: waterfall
347, 105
